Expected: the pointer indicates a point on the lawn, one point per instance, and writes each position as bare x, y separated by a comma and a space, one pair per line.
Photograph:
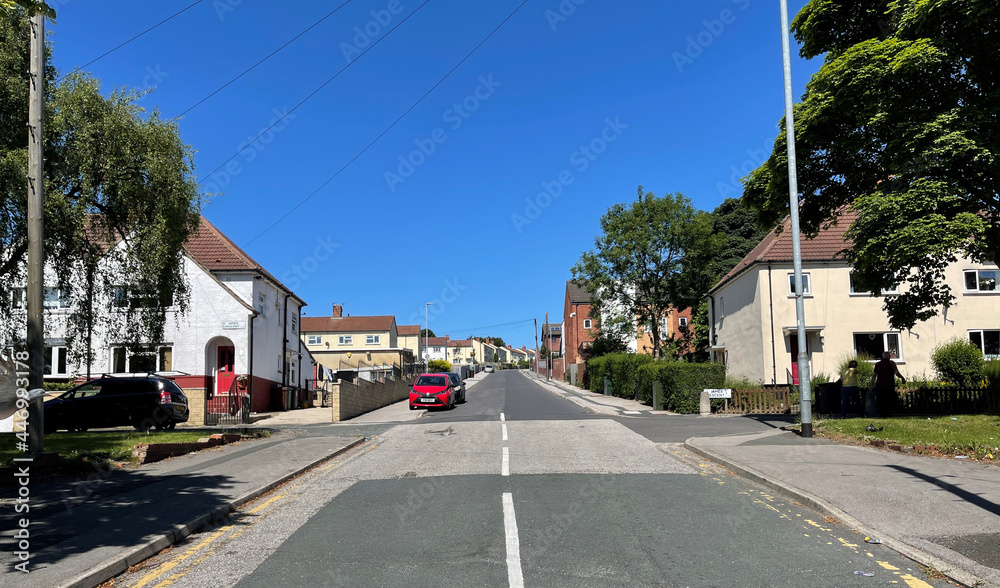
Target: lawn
112, 445
976, 436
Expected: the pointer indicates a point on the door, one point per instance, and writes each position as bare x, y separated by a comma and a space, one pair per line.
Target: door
793, 342
224, 376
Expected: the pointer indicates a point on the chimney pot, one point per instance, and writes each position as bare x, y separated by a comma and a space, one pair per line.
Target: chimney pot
338, 311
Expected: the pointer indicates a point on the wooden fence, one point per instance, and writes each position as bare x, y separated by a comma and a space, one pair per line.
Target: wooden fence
769, 400
948, 401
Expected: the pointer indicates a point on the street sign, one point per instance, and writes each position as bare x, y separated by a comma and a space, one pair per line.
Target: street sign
719, 392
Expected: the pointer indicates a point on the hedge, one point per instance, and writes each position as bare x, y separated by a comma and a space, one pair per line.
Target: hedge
682, 381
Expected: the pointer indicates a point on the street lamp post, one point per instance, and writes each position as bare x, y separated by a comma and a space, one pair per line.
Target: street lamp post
427, 333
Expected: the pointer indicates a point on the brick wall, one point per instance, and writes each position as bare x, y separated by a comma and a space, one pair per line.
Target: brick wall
350, 400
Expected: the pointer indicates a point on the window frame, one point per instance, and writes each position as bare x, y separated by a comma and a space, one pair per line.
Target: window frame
885, 343
806, 285
982, 342
345, 339
160, 354
314, 339
587, 323
867, 293
979, 281
373, 339
682, 321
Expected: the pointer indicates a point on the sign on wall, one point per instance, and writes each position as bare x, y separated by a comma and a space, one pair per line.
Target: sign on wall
234, 324
719, 392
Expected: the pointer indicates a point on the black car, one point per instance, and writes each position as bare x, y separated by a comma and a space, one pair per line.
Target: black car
141, 401
456, 382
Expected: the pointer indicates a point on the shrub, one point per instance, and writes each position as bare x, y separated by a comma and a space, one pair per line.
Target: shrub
991, 369
866, 368
438, 365
623, 369
959, 361
682, 383
595, 374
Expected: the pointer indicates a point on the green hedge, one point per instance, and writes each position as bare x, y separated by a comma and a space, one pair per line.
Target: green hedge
682, 381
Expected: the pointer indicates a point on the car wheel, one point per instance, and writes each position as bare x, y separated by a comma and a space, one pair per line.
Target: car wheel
143, 425
171, 426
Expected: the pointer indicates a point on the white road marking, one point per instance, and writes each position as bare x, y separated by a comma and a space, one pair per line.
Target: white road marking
501, 417
505, 466
504, 428
632, 411
514, 575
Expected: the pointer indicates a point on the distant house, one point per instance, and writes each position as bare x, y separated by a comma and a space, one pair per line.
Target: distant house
408, 337
437, 348
359, 346
754, 325
461, 352
241, 321
581, 330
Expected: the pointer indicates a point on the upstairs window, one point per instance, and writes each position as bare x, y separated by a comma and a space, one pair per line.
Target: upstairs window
682, 321
981, 280
857, 288
586, 323
806, 287
314, 340
345, 340
18, 298
376, 339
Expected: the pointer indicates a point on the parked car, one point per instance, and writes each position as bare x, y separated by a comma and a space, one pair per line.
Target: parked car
115, 401
489, 368
433, 390
456, 380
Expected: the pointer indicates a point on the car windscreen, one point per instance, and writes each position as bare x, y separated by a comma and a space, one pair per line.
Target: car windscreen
431, 381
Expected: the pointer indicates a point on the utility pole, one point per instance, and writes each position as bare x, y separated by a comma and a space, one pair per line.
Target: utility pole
536, 346
805, 391
36, 261
548, 365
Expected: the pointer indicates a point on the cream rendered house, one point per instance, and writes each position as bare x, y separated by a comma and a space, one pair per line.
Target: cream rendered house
461, 352
408, 337
753, 322
367, 346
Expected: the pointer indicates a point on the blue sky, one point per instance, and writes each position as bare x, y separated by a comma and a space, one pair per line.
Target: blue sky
483, 196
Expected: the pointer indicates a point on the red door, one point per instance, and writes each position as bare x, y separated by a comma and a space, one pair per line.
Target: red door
793, 341
224, 377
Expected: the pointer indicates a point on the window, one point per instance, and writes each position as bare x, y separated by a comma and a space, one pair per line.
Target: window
56, 298
806, 288
436, 349
376, 339
345, 340
858, 289
142, 359
314, 339
988, 342
722, 307
261, 298
586, 323
18, 298
981, 280
124, 296
874, 344
295, 323
682, 321
55, 361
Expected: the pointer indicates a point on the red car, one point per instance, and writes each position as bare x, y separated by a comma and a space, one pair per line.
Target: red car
434, 390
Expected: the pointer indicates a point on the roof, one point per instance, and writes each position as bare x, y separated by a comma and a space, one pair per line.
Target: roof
577, 292
347, 324
827, 245
438, 341
407, 330
460, 343
214, 251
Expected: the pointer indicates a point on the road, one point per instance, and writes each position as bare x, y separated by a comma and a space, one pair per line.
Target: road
521, 487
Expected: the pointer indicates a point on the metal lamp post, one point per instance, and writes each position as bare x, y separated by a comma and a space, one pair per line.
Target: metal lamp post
427, 333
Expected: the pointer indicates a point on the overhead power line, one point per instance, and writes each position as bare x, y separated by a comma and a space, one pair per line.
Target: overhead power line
313, 93
254, 66
171, 17
387, 129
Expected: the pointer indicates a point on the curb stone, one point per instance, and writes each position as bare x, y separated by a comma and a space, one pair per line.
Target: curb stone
112, 567
822, 506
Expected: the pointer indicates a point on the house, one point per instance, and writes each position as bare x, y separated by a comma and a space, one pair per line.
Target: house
754, 326
408, 337
365, 347
461, 352
240, 321
517, 355
484, 350
669, 327
580, 328
437, 348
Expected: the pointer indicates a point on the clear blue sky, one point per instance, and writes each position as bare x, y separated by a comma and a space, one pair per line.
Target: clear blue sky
591, 100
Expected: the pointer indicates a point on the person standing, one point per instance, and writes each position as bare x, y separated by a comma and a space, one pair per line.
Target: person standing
849, 389
886, 373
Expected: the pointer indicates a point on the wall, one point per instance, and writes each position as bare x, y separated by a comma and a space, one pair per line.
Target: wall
350, 400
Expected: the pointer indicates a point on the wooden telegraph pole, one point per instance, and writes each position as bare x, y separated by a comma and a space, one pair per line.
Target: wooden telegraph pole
36, 260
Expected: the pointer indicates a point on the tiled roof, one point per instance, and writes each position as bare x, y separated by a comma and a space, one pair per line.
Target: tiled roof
827, 245
208, 246
460, 343
347, 324
437, 341
407, 330
577, 292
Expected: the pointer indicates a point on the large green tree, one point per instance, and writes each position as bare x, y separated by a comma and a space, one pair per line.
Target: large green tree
651, 257
901, 125
121, 199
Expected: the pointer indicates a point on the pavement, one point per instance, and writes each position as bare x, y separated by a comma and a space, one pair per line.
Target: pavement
942, 513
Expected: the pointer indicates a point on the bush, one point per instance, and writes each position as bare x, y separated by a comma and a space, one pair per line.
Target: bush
595, 374
991, 369
959, 362
436, 366
866, 368
682, 383
621, 368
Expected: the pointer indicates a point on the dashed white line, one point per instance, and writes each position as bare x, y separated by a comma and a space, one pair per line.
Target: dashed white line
501, 417
503, 427
514, 575
505, 465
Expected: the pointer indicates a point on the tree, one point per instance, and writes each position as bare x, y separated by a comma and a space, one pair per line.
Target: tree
898, 126
427, 333
651, 257
121, 199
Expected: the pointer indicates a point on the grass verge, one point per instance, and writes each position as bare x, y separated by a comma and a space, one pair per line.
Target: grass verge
975, 436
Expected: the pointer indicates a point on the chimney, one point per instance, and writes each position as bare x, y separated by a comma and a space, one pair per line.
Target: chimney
338, 311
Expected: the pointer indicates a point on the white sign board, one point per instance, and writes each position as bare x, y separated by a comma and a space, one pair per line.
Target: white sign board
719, 392
234, 325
